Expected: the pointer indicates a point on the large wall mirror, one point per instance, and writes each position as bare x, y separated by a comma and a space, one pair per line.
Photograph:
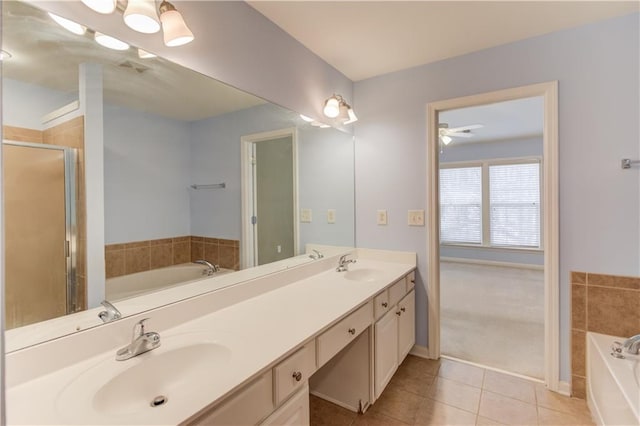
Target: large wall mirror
181, 153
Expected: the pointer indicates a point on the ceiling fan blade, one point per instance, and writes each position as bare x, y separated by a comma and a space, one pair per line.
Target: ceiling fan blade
463, 128
459, 135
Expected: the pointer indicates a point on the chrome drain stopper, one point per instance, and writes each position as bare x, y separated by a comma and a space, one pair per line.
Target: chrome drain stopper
159, 400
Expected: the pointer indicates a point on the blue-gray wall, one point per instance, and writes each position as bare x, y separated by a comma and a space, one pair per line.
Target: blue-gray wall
597, 69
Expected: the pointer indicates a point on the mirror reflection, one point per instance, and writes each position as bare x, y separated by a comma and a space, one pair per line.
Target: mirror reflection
200, 179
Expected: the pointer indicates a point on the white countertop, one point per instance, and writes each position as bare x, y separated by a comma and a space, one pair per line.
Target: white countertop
258, 332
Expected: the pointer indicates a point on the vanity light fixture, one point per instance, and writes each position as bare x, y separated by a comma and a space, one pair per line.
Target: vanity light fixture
143, 54
307, 119
4, 55
336, 107
176, 32
141, 16
110, 42
68, 24
101, 6
446, 139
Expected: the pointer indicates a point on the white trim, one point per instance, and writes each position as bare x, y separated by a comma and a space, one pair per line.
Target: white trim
564, 388
492, 263
248, 250
549, 201
486, 367
64, 110
420, 351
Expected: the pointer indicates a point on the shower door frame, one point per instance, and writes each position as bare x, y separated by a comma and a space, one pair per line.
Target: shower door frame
71, 220
550, 199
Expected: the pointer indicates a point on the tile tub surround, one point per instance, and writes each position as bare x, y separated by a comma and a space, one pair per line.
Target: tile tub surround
606, 304
138, 256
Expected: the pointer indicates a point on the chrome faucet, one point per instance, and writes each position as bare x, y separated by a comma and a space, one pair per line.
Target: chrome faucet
316, 255
343, 263
141, 342
110, 314
211, 268
632, 345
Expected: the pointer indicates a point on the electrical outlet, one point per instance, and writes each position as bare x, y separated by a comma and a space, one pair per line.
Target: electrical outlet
381, 217
305, 215
415, 218
331, 216
279, 248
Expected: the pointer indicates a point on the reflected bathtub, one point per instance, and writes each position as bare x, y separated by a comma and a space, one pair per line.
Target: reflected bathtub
613, 385
131, 285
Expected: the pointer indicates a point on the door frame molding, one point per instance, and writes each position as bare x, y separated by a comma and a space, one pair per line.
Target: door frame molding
248, 248
550, 199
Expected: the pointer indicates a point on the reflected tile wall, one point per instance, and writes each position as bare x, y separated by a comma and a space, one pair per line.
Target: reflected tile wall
606, 304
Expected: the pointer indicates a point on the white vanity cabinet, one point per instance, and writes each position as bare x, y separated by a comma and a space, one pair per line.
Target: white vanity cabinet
406, 325
295, 412
386, 350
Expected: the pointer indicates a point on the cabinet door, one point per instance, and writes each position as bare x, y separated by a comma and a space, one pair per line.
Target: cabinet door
406, 325
386, 350
294, 412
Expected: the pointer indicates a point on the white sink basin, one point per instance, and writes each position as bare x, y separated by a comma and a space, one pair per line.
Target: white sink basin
155, 380
366, 275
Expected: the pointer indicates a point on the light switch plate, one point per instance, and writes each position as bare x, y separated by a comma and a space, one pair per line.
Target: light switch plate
415, 218
305, 215
331, 216
381, 217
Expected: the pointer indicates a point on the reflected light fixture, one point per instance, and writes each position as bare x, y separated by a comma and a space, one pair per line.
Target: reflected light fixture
176, 32
4, 55
101, 6
307, 119
110, 42
68, 24
446, 139
141, 16
336, 107
143, 54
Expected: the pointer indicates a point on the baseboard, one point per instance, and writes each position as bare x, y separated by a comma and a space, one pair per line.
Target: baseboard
421, 351
564, 388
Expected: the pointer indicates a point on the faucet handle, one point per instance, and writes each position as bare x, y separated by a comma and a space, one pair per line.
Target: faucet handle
139, 325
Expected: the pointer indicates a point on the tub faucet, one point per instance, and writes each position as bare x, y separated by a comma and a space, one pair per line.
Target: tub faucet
316, 255
212, 269
110, 314
141, 342
632, 345
343, 263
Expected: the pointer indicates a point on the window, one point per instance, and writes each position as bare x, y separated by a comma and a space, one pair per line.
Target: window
492, 204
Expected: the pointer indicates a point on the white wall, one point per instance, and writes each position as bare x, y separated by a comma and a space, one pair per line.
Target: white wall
597, 69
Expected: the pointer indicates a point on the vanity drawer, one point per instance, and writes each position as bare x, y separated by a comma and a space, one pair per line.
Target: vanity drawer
411, 281
292, 373
396, 291
381, 304
341, 334
247, 406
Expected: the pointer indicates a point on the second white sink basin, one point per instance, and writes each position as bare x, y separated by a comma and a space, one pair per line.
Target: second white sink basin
366, 274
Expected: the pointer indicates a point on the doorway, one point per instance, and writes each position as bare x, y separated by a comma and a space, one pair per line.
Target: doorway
39, 203
549, 212
269, 186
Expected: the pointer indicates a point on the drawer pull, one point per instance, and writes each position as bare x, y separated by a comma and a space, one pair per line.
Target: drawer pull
385, 304
413, 281
398, 313
297, 375
403, 309
352, 331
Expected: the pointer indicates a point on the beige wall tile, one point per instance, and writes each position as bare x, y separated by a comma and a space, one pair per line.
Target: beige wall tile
236, 258
436, 413
22, 134
197, 250
181, 252
578, 387
210, 240
507, 410
455, 393
578, 277
579, 306
211, 254
613, 311
183, 239
161, 241
110, 247
160, 255
114, 263
230, 243
136, 260
136, 244
631, 283
226, 256
578, 352
511, 386
197, 239
460, 372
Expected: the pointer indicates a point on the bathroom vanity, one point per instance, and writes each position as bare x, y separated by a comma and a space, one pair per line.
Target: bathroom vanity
245, 354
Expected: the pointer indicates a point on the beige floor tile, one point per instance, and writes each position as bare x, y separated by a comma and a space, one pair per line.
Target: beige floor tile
398, 404
461, 372
376, 419
507, 410
456, 394
324, 413
420, 365
412, 381
483, 421
511, 386
547, 399
547, 417
436, 413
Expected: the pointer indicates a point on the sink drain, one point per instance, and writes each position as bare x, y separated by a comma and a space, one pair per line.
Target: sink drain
159, 400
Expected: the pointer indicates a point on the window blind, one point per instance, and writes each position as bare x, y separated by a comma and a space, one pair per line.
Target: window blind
461, 205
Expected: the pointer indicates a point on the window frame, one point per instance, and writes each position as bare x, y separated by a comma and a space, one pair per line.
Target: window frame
486, 206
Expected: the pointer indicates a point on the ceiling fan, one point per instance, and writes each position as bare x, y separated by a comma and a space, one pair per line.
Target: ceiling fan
447, 134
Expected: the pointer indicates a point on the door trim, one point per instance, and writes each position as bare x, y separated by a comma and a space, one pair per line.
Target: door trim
247, 182
550, 199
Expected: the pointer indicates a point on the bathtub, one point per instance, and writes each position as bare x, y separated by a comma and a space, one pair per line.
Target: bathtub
613, 385
126, 286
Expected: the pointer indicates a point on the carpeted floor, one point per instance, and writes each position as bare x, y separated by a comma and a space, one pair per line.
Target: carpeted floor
494, 316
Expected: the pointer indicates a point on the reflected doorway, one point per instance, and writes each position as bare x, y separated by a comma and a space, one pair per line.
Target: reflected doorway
269, 197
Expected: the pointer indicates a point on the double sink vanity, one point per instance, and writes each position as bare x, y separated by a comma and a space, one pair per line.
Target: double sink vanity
245, 354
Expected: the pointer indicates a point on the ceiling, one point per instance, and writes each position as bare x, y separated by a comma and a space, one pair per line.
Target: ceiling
363, 39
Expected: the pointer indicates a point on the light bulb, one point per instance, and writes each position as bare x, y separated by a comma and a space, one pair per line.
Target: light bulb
446, 139
110, 42
101, 6
141, 16
69, 25
4, 55
176, 32
331, 107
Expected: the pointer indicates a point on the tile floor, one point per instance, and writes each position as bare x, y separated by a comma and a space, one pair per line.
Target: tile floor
445, 392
